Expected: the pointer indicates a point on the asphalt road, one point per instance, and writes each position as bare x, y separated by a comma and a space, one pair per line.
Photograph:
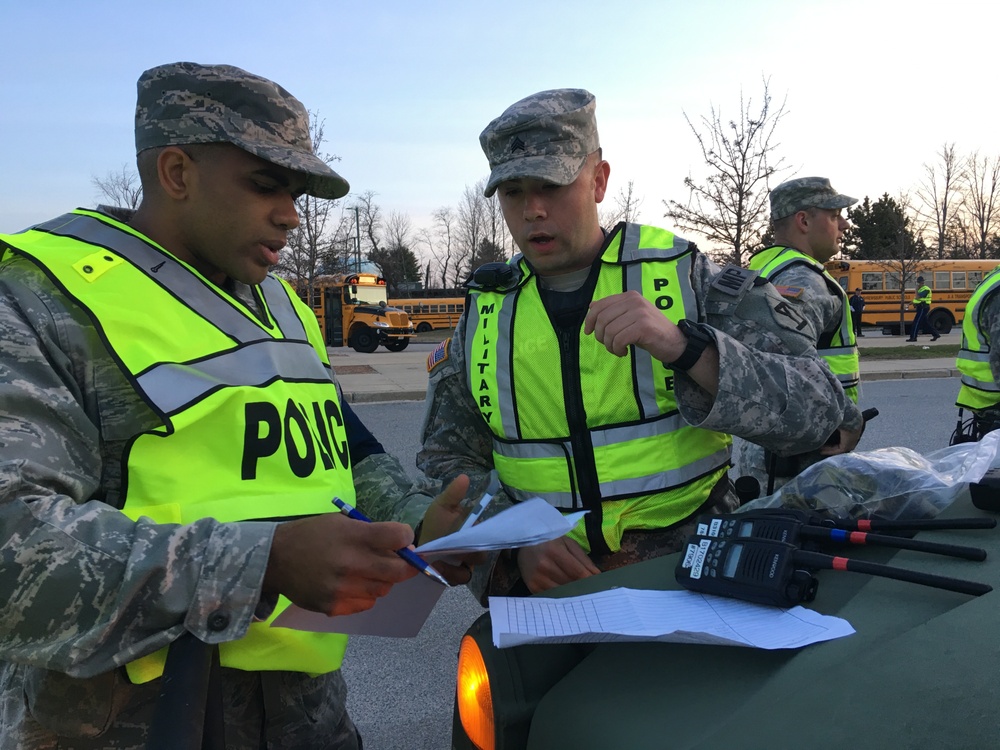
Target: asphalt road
402, 689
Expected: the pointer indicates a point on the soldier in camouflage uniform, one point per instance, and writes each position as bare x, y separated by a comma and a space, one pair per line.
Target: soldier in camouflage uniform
89, 587
737, 363
808, 225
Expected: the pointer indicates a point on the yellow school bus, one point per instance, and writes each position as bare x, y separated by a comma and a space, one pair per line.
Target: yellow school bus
352, 310
952, 283
433, 308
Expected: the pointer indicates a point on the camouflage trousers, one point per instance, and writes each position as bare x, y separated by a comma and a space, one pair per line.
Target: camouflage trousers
41, 710
636, 546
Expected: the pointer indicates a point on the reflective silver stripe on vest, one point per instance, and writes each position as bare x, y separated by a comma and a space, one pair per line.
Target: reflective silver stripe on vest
658, 482
630, 250
643, 359
980, 385
988, 385
169, 273
539, 449
983, 356
504, 354
174, 386
665, 480
281, 308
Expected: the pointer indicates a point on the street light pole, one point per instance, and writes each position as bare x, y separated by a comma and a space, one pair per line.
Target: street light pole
357, 242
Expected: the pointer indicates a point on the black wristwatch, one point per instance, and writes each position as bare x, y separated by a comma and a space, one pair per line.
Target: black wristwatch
697, 339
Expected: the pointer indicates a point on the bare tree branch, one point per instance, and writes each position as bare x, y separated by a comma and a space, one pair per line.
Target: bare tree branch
982, 200
940, 194
626, 207
731, 205
122, 189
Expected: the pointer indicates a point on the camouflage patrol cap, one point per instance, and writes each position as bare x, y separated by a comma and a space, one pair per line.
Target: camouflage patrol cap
547, 136
806, 192
182, 103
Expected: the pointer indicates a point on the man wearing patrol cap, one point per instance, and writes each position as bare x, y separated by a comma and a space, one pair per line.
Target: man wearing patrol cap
808, 226
168, 411
921, 302
567, 371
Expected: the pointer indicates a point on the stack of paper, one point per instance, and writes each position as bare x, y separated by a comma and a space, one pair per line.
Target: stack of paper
671, 616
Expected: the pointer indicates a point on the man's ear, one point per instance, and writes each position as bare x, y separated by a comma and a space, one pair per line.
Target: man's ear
801, 220
601, 173
175, 170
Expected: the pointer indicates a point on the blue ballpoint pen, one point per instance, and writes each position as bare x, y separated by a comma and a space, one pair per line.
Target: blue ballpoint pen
406, 553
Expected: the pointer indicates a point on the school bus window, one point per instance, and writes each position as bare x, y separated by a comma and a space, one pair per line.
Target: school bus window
958, 280
451, 308
975, 279
870, 282
941, 280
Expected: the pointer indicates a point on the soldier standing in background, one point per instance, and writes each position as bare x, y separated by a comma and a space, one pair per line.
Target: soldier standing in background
921, 302
808, 225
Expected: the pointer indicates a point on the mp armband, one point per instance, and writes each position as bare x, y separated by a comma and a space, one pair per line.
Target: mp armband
697, 339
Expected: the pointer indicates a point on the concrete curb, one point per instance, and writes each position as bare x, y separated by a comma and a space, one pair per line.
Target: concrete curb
358, 397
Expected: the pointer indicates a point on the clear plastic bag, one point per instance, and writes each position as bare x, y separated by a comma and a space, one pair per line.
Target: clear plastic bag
887, 483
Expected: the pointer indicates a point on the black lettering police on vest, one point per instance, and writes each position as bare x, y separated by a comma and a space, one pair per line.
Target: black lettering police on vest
665, 302
265, 429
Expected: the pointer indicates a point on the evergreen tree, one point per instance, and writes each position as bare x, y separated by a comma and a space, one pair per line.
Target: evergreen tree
878, 231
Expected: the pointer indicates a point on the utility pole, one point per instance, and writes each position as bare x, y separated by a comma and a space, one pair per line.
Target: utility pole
357, 241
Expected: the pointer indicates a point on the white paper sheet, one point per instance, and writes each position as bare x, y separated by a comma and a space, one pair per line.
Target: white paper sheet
532, 522
403, 611
672, 616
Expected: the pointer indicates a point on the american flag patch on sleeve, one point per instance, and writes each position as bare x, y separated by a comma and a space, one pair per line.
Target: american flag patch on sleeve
439, 355
789, 292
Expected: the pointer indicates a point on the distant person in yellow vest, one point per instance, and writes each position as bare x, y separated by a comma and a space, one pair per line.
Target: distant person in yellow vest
603, 369
921, 302
172, 438
807, 215
979, 361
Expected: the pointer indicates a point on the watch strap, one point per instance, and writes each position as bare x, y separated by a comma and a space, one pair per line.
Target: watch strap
697, 340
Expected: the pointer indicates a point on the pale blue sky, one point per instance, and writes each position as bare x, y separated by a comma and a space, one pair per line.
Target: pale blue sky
406, 87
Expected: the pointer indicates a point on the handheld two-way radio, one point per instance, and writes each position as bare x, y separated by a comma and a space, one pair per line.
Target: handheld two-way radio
738, 563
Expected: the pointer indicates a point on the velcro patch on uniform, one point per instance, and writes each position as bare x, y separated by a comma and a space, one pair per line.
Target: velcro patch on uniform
439, 355
789, 292
733, 280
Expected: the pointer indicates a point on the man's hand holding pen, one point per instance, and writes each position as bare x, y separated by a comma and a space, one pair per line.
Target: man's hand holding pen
444, 516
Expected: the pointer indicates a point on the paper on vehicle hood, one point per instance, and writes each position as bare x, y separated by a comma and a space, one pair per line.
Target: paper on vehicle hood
531, 522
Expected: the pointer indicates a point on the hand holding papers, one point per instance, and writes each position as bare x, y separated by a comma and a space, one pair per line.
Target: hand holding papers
531, 522
405, 609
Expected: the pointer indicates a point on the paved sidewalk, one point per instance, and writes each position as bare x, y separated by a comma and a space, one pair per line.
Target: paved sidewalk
402, 376
896, 369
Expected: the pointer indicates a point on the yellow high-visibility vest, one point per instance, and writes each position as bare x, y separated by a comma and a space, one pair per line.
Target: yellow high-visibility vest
579, 426
251, 424
979, 390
